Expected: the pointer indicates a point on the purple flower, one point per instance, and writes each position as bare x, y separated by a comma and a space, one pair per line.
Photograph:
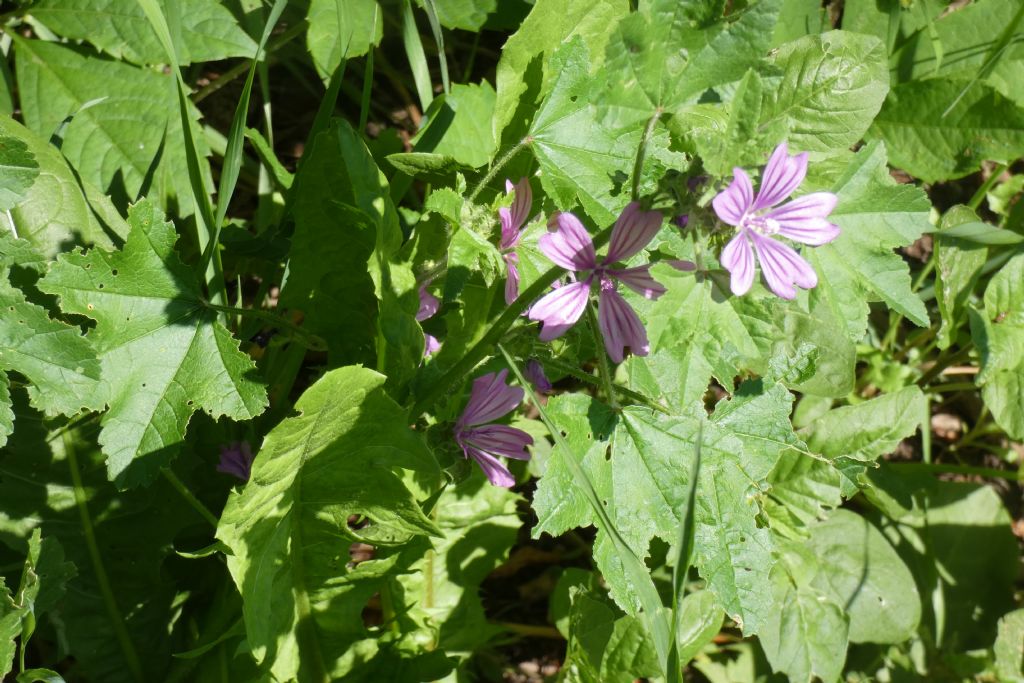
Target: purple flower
534, 372
428, 307
512, 220
236, 459
758, 220
570, 247
490, 399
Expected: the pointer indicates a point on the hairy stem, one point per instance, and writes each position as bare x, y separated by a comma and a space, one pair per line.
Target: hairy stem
602, 358
641, 152
109, 601
498, 165
189, 497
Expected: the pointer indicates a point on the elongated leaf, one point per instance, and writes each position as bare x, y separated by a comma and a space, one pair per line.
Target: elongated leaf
209, 31
959, 258
163, 353
126, 143
998, 332
338, 458
931, 144
867, 430
865, 575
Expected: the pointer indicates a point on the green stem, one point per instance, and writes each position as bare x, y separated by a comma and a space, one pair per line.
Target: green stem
952, 386
498, 165
938, 468
641, 152
304, 337
623, 391
484, 347
531, 630
944, 362
602, 358
979, 196
243, 67
82, 502
189, 497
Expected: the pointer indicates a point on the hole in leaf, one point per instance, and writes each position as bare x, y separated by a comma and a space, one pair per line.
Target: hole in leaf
114, 272
143, 385
99, 286
88, 266
90, 306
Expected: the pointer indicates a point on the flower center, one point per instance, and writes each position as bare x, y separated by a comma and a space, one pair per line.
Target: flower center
763, 225
607, 282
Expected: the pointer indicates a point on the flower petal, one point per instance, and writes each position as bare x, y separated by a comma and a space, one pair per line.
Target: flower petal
570, 246
733, 202
803, 219
633, 230
782, 267
640, 281
499, 440
428, 304
512, 280
430, 345
620, 326
738, 259
490, 399
781, 176
685, 266
534, 372
559, 310
496, 472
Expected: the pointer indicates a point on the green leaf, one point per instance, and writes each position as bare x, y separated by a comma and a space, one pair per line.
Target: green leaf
43, 580
876, 215
644, 484
1009, 647
831, 87
57, 482
339, 457
459, 126
468, 15
673, 51
958, 263
525, 73
6, 413
700, 621
208, 30
128, 143
478, 525
57, 210
340, 275
863, 573
606, 645
803, 490
805, 636
56, 359
998, 332
941, 529
934, 144
163, 354
865, 431
580, 159
341, 29
19, 170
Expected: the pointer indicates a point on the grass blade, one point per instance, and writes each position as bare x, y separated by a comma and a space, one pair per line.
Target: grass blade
417, 57
674, 669
435, 27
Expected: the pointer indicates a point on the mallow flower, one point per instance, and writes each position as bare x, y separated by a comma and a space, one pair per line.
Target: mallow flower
236, 459
513, 218
490, 399
429, 305
759, 221
571, 247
